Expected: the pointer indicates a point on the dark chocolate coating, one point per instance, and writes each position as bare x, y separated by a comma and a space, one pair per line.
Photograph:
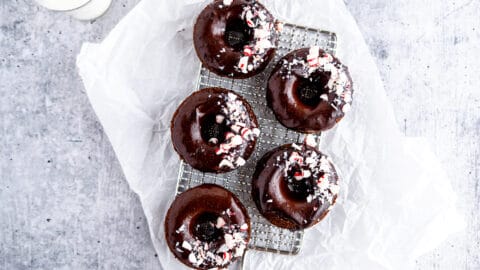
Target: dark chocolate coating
187, 207
210, 41
276, 201
288, 106
186, 130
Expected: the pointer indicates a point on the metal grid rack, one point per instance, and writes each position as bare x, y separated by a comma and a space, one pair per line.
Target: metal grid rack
265, 236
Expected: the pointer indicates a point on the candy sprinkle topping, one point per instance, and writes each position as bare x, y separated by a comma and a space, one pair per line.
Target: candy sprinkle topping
307, 165
339, 85
219, 252
240, 129
265, 31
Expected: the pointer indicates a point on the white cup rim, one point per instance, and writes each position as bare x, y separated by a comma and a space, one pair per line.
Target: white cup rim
62, 5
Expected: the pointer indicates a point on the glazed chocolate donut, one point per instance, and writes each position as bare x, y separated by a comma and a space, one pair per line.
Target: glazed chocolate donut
294, 186
235, 38
207, 227
214, 130
309, 90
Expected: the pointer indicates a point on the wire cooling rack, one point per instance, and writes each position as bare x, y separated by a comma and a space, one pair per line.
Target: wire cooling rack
265, 236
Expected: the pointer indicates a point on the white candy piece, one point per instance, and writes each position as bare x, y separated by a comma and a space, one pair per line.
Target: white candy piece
262, 16
232, 96
218, 259
322, 61
181, 229
263, 44
239, 251
296, 146
309, 160
240, 161
227, 2
314, 52
261, 33
324, 165
248, 18
243, 64
238, 237
236, 140
323, 185
229, 241
186, 245
236, 128
226, 163
192, 258
220, 223
219, 118
310, 141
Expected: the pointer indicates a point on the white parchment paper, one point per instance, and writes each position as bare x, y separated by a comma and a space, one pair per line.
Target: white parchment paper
396, 203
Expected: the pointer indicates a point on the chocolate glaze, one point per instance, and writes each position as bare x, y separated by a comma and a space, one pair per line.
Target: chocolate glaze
294, 94
283, 200
192, 217
221, 34
194, 122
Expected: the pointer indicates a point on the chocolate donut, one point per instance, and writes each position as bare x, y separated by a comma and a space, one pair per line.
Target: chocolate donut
294, 186
207, 227
214, 130
309, 90
235, 38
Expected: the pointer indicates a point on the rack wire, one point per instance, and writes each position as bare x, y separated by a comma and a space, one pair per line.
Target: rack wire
265, 236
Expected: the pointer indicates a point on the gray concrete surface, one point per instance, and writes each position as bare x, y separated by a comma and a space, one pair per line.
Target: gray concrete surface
64, 202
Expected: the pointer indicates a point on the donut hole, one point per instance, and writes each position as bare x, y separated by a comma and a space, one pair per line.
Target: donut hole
204, 227
238, 34
213, 128
299, 189
310, 90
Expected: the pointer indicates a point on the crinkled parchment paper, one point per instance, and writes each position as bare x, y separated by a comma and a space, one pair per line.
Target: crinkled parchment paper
396, 202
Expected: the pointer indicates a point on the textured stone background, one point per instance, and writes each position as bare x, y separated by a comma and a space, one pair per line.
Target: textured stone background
64, 202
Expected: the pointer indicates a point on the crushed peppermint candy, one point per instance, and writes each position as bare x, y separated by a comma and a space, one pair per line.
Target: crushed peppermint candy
243, 64
220, 223
219, 252
265, 34
311, 140
244, 227
241, 129
181, 229
309, 165
227, 2
186, 245
339, 85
